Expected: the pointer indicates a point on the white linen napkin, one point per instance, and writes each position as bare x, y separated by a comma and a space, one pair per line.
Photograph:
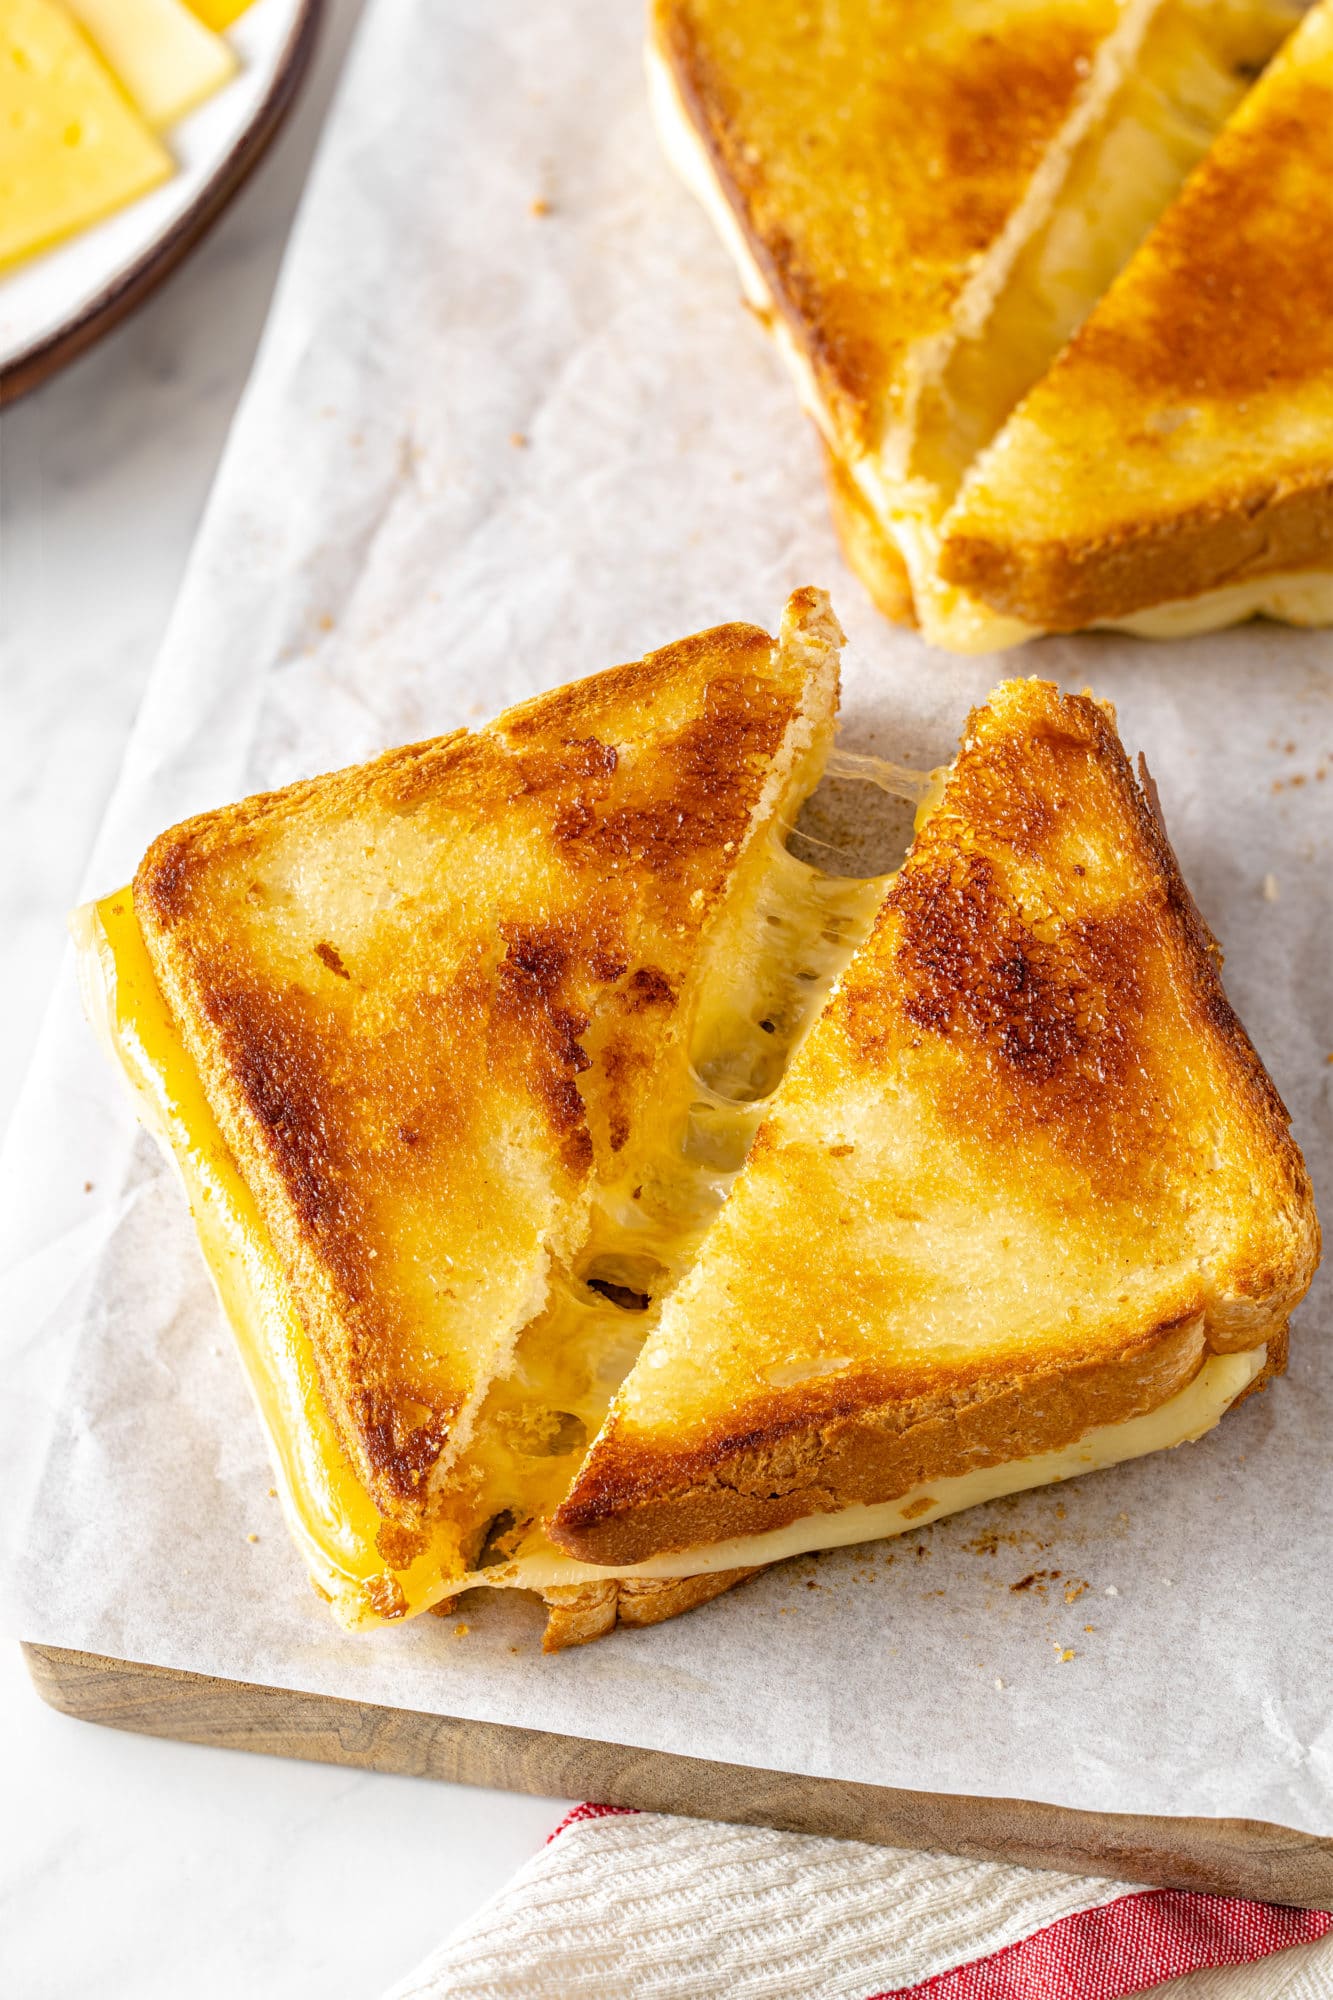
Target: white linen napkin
639, 1906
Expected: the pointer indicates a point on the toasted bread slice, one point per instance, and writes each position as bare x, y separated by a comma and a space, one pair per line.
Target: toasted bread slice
1024, 1177
1203, 381
441, 1005
921, 257
884, 165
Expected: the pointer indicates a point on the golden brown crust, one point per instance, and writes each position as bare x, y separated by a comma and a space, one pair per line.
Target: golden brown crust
579, 1613
869, 550
432, 997
862, 1440
1202, 378
1271, 528
1026, 1172
873, 157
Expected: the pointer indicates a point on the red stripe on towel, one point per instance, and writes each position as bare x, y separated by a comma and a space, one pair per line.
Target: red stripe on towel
589, 1812
1122, 1947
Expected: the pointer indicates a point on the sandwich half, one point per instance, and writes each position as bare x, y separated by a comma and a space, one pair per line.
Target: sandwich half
924, 202
430, 1040
1024, 1204
1174, 470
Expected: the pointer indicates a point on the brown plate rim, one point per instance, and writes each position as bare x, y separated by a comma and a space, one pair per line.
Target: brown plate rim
128, 290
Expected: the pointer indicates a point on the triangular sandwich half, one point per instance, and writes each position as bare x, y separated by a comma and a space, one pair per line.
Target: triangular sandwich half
1024, 1204
1174, 470
426, 1037
924, 201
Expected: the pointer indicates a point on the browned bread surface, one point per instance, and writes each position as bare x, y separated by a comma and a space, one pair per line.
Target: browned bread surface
1184, 440
874, 153
431, 1000
1026, 1172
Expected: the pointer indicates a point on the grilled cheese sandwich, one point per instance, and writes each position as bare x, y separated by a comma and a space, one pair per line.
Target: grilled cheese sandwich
939, 360
333, 1522
1205, 379
783, 947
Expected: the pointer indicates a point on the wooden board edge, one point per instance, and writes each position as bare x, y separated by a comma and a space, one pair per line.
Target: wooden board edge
126, 293
1227, 1856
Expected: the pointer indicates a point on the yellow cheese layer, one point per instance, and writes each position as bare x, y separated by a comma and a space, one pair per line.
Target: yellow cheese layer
166, 60
72, 149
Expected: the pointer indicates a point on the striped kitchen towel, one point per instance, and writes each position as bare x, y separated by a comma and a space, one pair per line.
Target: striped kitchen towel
635, 1906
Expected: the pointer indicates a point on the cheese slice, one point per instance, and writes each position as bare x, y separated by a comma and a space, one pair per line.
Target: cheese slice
164, 57
530, 1436
219, 14
71, 148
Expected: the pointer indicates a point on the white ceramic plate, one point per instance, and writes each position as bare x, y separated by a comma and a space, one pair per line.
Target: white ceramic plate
55, 305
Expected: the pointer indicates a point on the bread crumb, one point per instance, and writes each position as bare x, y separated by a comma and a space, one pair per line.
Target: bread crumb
519, 440
1000, 1684
541, 206
252, 1538
1067, 1654
88, 1186
1110, 1591
461, 1631
1272, 893
272, 1492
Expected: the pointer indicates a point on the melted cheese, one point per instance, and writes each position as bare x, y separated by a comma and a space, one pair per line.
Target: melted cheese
1292, 600
71, 148
792, 939
163, 55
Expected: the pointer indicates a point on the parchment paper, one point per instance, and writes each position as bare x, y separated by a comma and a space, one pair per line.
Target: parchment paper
509, 425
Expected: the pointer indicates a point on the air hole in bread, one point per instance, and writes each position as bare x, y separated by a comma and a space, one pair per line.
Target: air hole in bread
626, 1280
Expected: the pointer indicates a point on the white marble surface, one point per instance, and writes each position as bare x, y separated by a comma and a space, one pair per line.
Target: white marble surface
132, 1869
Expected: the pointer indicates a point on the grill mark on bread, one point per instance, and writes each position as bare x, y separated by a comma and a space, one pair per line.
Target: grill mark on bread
692, 804
648, 986
329, 956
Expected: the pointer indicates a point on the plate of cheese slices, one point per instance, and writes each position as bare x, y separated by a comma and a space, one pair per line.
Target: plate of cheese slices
125, 128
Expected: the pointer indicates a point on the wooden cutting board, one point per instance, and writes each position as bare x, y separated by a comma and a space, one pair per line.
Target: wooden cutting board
1229, 1856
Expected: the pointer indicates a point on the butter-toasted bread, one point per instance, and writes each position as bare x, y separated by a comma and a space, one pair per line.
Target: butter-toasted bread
439, 1001
921, 253
1025, 1176
1183, 443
